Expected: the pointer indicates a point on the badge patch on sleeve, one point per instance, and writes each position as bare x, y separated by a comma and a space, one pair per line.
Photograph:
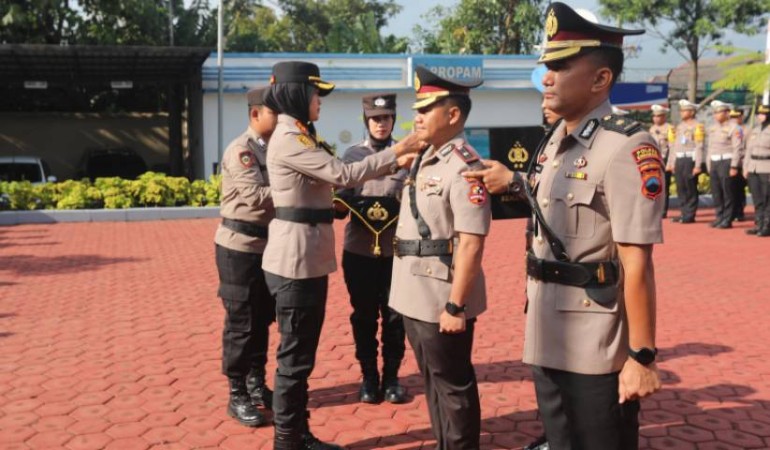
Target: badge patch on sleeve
477, 194
247, 158
305, 141
650, 167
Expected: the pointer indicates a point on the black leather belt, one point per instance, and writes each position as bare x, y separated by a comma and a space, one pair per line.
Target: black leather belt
761, 158
305, 215
249, 229
573, 274
423, 247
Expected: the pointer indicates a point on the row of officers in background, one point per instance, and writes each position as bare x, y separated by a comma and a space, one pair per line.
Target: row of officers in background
731, 155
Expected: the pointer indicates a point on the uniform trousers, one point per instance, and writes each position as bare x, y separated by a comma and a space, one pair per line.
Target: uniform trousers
249, 311
368, 281
759, 184
686, 187
739, 196
722, 190
300, 310
581, 412
450, 383
667, 191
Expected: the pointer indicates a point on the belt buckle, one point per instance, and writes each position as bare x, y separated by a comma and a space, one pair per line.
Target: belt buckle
601, 277
451, 246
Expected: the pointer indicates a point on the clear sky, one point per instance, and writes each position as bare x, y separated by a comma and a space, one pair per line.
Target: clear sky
649, 63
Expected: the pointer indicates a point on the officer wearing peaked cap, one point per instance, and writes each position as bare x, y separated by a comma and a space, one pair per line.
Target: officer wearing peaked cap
438, 284
367, 259
246, 209
597, 196
725, 158
687, 150
757, 167
300, 255
664, 135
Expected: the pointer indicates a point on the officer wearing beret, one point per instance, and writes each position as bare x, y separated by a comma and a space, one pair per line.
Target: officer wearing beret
438, 284
300, 254
246, 209
664, 135
757, 167
596, 189
367, 259
725, 156
688, 157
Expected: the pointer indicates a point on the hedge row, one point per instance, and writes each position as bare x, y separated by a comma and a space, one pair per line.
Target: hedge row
150, 189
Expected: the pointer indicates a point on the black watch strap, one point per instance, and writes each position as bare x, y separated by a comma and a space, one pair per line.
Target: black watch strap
644, 356
454, 309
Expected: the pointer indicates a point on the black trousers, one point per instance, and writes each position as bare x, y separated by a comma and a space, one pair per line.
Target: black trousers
450, 383
368, 281
722, 190
667, 191
581, 412
300, 309
759, 184
686, 187
249, 311
739, 196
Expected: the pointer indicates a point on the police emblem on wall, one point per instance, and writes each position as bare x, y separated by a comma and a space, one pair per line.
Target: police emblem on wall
515, 148
518, 156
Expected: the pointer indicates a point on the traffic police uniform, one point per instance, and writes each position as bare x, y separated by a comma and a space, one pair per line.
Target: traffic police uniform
600, 185
688, 154
664, 135
725, 152
367, 261
300, 253
757, 167
246, 209
437, 204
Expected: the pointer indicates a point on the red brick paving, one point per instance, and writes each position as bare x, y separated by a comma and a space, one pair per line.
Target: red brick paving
110, 338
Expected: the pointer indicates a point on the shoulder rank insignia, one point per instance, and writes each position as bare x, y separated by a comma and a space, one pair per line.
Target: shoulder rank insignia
247, 158
620, 125
468, 156
589, 129
305, 141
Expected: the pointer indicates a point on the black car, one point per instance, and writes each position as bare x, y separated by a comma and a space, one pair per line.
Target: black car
120, 162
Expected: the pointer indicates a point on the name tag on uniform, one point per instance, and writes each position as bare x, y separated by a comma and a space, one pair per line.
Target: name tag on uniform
577, 175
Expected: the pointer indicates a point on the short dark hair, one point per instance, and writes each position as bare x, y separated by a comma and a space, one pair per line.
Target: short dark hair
463, 102
611, 58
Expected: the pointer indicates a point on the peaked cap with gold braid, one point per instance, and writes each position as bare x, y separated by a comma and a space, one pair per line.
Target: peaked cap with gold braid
430, 88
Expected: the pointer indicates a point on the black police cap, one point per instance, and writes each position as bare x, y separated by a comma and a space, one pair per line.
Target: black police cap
300, 72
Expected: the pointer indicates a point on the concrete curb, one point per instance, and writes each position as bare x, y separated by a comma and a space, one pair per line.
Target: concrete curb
107, 215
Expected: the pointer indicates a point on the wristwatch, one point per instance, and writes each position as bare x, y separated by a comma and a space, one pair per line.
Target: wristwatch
454, 309
644, 356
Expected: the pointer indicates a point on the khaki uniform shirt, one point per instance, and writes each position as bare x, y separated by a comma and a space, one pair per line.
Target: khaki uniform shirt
302, 175
689, 142
595, 190
725, 141
664, 136
758, 145
358, 238
449, 204
245, 192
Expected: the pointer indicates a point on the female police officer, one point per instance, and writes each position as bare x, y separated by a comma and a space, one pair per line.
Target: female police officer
300, 252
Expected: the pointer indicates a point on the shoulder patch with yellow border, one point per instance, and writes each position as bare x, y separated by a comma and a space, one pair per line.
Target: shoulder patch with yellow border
650, 166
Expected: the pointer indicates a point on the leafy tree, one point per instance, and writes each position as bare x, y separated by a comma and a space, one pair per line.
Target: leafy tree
37, 21
483, 26
689, 27
746, 70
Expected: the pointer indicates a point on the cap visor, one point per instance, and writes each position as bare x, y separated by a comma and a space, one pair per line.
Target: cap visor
556, 55
324, 88
379, 112
422, 103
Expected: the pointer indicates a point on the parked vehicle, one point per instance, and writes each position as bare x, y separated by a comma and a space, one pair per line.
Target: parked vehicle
120, 162
25, 168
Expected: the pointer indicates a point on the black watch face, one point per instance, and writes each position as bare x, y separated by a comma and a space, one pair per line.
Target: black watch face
645, 356
453, 309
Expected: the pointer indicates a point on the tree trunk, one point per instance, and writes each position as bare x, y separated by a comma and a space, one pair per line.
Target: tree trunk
692, 85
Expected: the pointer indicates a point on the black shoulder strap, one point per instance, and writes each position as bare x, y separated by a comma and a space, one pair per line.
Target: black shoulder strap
557, 246
621, 125
422, 227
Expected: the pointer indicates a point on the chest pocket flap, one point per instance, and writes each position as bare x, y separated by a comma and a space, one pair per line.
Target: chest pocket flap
574, 216
429, 267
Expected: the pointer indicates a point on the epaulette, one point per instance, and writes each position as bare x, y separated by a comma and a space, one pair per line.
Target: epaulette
620, 124
468, 156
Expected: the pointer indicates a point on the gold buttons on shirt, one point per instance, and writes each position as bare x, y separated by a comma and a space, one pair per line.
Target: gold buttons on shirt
555, 164
545, 203
570, 196
428, 271
586, 303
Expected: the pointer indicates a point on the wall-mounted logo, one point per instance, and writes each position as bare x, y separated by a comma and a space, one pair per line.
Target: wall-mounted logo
518, 155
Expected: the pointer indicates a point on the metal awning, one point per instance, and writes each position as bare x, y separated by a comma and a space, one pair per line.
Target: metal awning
87, 64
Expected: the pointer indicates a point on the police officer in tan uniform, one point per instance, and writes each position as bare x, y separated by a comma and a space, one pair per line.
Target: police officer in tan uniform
687, 150
597, 194
757, 168
367, 259
300, 253
438, 284
739, 181
246, 210
725, 158
664, 135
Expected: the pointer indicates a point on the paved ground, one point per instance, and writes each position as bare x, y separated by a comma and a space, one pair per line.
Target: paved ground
110, 338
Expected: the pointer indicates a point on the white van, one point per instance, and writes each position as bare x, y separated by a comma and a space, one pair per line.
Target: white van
25, 168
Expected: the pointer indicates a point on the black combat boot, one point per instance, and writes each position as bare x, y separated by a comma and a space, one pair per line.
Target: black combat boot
310, 442
392, 392
287, 439
764, 229
241, 407
369, 392
261, 395
755, 229
540, 443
